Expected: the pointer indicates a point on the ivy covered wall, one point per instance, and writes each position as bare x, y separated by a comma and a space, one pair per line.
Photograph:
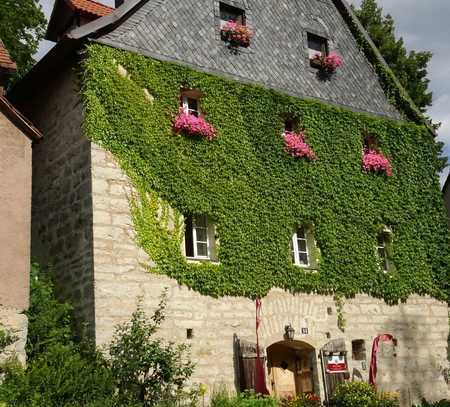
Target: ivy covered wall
256, 193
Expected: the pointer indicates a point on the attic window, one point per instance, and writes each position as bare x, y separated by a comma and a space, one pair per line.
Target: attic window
230, 13
190, 102
317, 45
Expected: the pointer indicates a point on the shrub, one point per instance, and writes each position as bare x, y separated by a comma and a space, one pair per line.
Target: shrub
308, 400
355, 394
64, 371
144, 368
222, 398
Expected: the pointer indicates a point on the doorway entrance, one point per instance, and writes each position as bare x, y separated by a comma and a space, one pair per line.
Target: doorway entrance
292, 369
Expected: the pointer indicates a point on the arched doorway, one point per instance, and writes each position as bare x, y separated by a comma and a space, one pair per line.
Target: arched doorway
292, 369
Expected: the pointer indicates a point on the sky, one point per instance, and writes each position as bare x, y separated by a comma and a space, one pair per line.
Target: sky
424, 27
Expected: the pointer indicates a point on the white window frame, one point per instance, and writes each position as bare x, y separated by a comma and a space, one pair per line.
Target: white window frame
385, 260
211, 240
295, 248
186, 109
195, 241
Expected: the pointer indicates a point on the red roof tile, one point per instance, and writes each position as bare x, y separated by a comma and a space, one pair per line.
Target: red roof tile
5, 60
89, 8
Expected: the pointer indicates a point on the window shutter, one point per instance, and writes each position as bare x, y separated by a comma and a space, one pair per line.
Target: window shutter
189, 242
247, 361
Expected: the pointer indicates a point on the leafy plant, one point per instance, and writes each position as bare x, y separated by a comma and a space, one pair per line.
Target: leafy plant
222, 398
64, 370
255, 192
355, 394
145, 369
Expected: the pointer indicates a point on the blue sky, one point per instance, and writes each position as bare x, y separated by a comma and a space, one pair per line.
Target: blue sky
423, 26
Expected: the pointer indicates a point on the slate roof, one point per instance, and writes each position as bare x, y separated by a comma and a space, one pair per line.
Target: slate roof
5, 60
188, 33
89, 8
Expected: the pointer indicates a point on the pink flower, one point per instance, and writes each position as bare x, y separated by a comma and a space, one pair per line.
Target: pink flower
375, 161
236, 34
328, 63
296, 146
191, 125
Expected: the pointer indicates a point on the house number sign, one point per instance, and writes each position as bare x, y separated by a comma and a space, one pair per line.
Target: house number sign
305, 331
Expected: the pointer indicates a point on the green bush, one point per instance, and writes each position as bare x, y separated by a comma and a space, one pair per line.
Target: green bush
222, 398
66, 371
144, 368
355, 394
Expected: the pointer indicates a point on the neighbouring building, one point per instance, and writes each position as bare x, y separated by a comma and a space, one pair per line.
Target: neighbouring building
222, 150
17, 135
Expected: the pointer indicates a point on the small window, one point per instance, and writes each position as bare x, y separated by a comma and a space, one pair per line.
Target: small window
383, 244
317, 45
200, 238
230, 13
358, 349
191, 105
300, 251
289, 124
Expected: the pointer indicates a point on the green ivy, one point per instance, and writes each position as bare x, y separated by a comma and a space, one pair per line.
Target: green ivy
256, 193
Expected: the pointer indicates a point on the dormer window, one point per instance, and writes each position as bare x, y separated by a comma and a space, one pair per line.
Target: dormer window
200, 241
317, 45
230, 13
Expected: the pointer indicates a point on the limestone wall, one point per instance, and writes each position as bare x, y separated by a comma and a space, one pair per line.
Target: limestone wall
420, 325
13, 322
61, 207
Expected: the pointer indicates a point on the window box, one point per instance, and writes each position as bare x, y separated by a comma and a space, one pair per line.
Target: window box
374, 161
327, 64
236, 35
296, 146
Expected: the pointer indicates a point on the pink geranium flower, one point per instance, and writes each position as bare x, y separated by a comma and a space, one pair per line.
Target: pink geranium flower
296, 146
375, 161
236, 34
191, 125
328, 63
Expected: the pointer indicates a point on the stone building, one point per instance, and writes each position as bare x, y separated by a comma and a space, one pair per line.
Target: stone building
17, 136
117, 226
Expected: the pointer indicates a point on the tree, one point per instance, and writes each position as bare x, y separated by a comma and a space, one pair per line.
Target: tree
22, 27
409, 67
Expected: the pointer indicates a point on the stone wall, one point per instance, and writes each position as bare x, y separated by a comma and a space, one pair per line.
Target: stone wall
420, 325
61, 208
13, 322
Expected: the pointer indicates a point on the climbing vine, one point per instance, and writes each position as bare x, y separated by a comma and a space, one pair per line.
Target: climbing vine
256, 193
